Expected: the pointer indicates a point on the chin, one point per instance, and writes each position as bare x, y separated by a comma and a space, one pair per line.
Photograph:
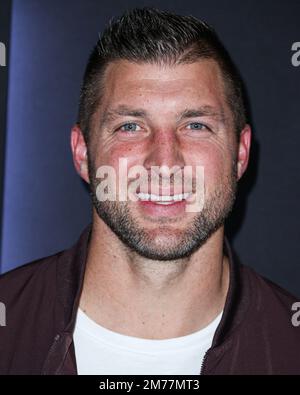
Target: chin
163, 236
165, 245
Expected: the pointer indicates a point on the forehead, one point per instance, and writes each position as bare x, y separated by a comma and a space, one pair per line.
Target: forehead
151, 84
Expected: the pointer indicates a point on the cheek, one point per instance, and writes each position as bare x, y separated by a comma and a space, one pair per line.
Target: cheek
217, 163
110, 156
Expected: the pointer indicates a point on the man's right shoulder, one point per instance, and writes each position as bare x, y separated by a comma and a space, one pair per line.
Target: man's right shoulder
31, 280
29, 299
34, 286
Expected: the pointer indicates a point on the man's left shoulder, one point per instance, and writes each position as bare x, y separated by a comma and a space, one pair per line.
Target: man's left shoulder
267, 287
270, 301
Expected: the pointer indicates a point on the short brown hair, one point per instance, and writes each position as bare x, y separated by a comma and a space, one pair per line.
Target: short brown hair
154, 36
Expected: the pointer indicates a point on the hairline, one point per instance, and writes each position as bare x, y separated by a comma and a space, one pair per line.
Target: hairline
101, 77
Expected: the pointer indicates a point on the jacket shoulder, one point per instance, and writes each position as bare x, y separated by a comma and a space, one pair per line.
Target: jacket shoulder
28, 294
263, 339
268, 291
269, 327
28, 277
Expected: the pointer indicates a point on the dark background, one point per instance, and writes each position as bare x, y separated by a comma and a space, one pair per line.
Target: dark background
45, 205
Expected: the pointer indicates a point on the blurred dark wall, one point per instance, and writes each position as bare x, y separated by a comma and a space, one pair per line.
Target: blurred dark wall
5, 19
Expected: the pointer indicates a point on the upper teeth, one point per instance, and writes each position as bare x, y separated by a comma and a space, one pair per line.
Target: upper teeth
163, 198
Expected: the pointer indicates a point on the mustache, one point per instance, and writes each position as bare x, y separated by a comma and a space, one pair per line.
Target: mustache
157, 180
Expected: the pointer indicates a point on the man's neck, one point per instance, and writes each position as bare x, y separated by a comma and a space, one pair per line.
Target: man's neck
135, 296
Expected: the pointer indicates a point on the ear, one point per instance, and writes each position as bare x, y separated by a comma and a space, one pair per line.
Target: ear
79, 152
243, 150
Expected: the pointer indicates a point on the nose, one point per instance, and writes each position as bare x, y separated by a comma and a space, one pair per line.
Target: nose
165, 162
164, 150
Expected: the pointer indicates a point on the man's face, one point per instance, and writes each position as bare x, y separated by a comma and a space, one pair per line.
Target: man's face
174, 116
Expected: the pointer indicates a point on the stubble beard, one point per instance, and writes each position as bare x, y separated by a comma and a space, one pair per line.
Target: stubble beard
181, 243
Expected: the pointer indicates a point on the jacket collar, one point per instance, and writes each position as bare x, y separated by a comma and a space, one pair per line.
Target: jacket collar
70, 275
71, 265
237, 301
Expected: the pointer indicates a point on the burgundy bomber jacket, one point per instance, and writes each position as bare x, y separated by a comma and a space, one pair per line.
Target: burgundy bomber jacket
255, 335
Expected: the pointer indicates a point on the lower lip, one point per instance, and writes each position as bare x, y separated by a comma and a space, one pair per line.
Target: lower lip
163, 210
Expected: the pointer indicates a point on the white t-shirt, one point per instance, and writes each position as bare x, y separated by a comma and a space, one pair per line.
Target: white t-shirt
100, 351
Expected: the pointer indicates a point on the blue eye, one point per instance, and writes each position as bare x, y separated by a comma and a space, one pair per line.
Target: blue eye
129, 127
197, 126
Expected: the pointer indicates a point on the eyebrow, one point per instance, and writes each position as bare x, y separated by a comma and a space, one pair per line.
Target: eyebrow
123, 110
203, 111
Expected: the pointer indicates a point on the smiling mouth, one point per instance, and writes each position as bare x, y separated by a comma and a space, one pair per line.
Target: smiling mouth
163, 199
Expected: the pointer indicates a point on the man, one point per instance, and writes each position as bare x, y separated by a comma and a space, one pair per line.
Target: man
151, 286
